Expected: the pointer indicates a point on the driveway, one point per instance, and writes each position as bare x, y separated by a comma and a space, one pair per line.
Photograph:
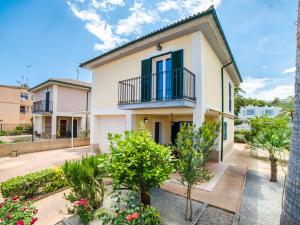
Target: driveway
27, 163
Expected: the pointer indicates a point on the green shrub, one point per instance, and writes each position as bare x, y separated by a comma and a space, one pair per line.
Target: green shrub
19, 128
41, 182
239, 138
3, 133
14, 132
85, 178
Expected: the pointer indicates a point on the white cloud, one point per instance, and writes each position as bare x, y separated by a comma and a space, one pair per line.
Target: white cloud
107, 5
168, 5
251, 85
138, 17
98, 27
290, 70
280, 91
187, 7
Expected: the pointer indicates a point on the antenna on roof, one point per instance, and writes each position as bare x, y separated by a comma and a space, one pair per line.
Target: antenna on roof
77, 71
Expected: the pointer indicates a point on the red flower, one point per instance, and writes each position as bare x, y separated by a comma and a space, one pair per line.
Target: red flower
23, 209
8, 216
15, 198
82, 202
135, 215
1, 205
33, 220
129, 218
20, 222
35, 211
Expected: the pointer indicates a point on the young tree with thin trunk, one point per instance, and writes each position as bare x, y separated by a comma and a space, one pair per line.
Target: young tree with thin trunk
291, 207
194, 145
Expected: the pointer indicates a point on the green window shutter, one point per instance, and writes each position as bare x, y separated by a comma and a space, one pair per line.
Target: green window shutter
225, 131
146, 81
177, 74
230, 98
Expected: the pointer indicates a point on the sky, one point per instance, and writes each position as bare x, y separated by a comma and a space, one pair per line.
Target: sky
42, 39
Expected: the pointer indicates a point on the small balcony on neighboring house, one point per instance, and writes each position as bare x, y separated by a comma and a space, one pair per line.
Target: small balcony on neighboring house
171, 88
42, 107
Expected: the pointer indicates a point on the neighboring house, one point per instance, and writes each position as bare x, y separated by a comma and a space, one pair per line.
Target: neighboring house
181, 73
56, 101
15, 106
249, 112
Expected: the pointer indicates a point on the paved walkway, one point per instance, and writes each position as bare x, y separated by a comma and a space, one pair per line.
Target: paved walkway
262, 198
27, 163
227, 193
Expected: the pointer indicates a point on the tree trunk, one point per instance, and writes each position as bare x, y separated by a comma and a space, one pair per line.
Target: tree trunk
291, 206
273, 169
145, 198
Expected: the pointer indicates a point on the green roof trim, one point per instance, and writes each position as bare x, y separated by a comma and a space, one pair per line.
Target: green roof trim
209, 11
59, 82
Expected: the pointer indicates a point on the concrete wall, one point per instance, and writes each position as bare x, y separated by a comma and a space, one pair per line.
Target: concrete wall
29, 147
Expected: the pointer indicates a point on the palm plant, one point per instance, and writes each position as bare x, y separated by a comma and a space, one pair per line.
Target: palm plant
273, 136
291, 207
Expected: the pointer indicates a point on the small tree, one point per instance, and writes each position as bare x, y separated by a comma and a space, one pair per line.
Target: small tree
194, 145
272, 135
137, 162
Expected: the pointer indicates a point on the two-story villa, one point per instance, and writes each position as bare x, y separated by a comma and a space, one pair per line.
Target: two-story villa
56, 102
15, 106
184, 72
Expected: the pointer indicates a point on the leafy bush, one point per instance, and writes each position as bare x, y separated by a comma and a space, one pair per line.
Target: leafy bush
239, 138
137, 162
194, 145
86, 180
14, 132
19, 128
3, 133
15, 211
128, 211
41, 182
85, 133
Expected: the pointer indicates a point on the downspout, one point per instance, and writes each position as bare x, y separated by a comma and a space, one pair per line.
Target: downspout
222, 119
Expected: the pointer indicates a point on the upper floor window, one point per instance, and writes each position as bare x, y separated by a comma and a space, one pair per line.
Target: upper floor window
250, 112
24, 96
269, 112
230, 97
24, 109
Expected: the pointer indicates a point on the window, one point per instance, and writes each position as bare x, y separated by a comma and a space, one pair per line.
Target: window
22, 109
225, 131
24, 96
269, 112
230, 97
250, 112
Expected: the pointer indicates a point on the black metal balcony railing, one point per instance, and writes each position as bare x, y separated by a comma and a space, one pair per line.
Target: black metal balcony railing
168, 85
42, 107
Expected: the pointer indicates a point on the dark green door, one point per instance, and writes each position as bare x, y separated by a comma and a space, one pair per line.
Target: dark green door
47, 104
177, 74
146, 80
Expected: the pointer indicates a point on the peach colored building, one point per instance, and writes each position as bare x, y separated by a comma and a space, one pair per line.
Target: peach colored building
184, 72
15, 106
56, 101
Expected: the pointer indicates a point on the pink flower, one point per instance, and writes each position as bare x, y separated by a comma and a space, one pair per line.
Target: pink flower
33, 220
1, 205
20, 222
35, 211
15, 198
23, 209
129, 218
82, 202
8, 216
135, 215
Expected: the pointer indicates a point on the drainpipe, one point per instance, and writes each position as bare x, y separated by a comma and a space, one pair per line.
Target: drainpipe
87, 109
222, 120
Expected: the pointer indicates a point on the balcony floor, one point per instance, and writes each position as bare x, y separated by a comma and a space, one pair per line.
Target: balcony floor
159, 104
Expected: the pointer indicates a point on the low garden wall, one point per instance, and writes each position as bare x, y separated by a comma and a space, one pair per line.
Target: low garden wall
29, 147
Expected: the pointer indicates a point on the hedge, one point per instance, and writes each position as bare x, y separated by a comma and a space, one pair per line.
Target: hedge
33, 184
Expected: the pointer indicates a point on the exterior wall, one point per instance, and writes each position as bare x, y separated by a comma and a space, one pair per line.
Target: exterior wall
71, 99
212, 93
10, 103
259, 111
30, 147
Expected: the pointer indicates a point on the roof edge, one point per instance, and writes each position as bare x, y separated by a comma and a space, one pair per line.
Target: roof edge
59, 82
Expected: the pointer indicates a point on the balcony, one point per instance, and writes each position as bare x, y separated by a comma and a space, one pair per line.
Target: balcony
42, 107
172, 88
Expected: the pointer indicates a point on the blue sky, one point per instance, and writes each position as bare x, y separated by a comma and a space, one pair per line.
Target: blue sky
54, 36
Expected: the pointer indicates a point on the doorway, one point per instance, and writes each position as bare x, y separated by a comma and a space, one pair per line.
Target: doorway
63, 128
75, 128
157, 132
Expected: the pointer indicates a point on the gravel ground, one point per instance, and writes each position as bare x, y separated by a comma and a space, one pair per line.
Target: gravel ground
262, 200
215, 216
171, 206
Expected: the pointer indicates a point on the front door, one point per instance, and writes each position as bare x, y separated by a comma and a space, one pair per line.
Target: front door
74, 128
175, 127
47, 106
63, 128
157, 132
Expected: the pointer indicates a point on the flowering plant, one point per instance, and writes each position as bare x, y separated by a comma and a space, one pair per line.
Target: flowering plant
83, 209
15, 211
